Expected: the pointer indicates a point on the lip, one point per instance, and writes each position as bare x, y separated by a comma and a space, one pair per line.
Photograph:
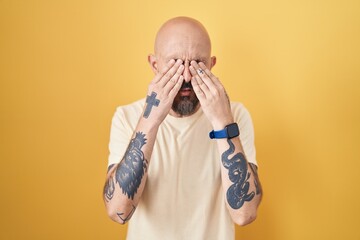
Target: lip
185, 91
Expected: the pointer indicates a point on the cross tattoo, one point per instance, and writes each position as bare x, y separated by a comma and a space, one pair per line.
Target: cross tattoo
151, 101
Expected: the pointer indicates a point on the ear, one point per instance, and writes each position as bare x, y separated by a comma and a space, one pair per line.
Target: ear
212, 62
153, 63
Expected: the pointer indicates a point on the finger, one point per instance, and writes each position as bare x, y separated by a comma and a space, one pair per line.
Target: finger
199, 93
201, 73
205, 89
214, 79
176, 87
210, 74
164, 70
174, 79
169, 74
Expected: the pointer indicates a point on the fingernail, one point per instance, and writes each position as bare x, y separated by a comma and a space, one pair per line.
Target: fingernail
179, 61
172, 60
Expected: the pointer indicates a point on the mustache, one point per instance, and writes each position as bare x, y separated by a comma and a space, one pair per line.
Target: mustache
186, 85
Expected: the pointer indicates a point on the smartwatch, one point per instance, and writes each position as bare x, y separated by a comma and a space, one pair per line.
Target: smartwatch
230, 131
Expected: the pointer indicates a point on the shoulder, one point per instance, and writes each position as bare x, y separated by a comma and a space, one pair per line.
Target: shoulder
134, 108
128, 115
246, 127
240, 112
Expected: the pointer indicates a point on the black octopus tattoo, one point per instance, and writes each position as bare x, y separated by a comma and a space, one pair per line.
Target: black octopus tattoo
256, 178
237, 193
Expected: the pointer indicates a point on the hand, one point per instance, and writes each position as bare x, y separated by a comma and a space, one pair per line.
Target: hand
212, 96
162, 91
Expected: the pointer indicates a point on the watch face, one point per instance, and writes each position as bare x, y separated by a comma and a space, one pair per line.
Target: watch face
233, 130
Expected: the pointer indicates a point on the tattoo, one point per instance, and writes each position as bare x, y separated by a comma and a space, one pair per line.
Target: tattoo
256, 178
237, 193
151, 101
132, 167
128, 216
109, 167
109, 189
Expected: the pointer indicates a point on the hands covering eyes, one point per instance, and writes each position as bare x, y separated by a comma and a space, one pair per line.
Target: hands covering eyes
207, 87
211, 94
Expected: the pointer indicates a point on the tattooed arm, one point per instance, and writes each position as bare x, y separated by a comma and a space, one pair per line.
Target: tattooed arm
240, 181
126, 180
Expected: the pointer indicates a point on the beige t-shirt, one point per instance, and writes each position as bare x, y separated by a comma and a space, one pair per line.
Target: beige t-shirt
183, 197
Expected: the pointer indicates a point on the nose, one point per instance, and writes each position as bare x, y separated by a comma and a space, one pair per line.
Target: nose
186, 73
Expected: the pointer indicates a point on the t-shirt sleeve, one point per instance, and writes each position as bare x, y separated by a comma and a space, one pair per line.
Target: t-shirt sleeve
246, 133
120, 135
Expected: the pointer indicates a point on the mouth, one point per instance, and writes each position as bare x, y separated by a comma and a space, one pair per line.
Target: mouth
186, 89
185, 92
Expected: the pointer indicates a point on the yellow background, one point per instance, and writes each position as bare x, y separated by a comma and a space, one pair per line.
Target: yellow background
65, 66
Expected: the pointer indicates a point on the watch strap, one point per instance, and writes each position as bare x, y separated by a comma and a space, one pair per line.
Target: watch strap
230, 131
218, 134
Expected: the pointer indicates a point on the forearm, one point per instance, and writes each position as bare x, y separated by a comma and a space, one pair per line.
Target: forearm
240, 181
126, 180
238, 178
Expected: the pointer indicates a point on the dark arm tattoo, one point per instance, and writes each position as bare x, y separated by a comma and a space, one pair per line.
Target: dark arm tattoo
256, 179
132, 167
110, 166
126, 218
151, 101
109, 186
109, 189
237, 193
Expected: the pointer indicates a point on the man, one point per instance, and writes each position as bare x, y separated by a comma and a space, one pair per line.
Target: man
173, 180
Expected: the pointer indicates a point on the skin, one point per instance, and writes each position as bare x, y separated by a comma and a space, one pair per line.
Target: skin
187, 41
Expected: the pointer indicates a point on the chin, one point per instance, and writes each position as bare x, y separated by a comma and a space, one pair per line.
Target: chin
185, 105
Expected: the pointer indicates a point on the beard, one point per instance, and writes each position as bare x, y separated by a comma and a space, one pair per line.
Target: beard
185, 105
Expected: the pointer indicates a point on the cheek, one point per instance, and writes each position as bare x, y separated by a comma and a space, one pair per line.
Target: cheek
160, 65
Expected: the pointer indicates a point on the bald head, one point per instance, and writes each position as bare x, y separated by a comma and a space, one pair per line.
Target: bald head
182, 38
183, 33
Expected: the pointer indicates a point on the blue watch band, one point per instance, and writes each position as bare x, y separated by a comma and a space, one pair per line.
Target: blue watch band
230, 131
218, 134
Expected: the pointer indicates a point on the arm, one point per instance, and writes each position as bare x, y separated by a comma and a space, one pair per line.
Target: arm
126, 180
240, 181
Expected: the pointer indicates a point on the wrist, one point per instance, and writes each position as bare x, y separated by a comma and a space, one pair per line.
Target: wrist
230, 131
221, 124
149, 124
